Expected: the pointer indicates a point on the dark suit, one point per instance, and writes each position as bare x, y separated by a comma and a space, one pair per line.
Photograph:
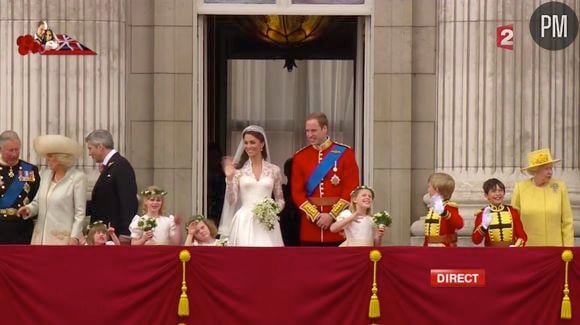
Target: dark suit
114, 197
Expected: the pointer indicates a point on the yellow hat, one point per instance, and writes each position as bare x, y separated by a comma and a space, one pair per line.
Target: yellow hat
56, 143
539, 158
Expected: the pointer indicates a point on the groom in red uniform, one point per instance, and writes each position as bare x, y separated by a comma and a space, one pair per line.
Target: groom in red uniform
323, 176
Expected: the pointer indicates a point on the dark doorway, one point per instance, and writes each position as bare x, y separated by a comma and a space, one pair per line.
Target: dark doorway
227, 42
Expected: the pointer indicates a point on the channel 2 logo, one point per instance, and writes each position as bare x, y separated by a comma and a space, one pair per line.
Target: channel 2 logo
553, 26
505, 37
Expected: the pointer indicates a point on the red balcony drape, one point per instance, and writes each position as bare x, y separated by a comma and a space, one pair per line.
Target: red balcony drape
141, 285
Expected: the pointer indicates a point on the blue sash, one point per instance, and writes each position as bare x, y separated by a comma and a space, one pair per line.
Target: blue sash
324, 167
15, 188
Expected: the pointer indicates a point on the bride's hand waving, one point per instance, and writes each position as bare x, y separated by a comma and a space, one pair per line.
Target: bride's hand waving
228, 165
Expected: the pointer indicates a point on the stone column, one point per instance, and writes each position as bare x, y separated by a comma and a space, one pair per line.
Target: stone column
392, 107
495, 105
70, 95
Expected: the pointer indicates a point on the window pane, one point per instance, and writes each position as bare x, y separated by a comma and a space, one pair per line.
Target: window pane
342, 2
241, 1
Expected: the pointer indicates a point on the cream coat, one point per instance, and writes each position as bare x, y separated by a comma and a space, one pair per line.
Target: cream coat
61, 215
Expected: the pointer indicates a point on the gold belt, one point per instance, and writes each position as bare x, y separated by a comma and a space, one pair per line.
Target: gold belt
500, 243
323, 201
450, 239
8, 212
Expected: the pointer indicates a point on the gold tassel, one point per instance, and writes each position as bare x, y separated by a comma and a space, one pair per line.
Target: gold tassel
374, 305
566, 311
183, 308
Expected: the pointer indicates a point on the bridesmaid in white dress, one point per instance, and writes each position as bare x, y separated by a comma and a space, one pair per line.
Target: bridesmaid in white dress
250, 178
357, 222
202, 232
166, 232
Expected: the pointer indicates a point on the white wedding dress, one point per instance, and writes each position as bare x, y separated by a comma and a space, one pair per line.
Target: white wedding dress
245, 230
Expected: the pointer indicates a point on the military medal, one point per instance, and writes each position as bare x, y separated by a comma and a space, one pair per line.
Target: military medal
26, 201
335, 180
26, 188
11, 173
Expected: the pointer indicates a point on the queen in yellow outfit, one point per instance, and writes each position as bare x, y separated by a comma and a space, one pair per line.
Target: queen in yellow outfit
544, 204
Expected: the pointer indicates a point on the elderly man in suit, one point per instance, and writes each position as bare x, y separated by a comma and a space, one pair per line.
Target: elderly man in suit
19, 181
114, 197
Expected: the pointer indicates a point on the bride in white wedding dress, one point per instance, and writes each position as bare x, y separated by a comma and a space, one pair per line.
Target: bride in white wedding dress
250, 178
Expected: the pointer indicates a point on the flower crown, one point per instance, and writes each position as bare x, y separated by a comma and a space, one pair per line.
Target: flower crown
153, 192
94, 224
363, 187
195, 219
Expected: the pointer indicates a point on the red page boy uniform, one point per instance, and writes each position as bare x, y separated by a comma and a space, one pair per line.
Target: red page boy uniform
441, 224
500, 226
322, 179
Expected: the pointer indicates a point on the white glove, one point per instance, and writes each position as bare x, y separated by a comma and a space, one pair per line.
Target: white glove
486, 217
437, 203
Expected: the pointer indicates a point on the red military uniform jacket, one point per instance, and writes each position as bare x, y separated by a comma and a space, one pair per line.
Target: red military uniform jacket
443, 229
506, 228
332, 195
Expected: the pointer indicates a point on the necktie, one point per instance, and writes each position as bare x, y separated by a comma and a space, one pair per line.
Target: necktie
101, 168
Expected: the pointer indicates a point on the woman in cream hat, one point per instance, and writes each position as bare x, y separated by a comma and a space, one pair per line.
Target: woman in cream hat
543, 203
61, 199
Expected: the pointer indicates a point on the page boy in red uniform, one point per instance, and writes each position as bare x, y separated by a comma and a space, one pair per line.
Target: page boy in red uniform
443, 219
499, 224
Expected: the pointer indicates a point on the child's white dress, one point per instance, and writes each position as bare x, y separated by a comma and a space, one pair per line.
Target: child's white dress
107, 243
215, 242
162, 234
361, 233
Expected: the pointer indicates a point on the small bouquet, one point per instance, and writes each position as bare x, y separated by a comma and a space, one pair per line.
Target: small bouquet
382, 219
222, 242
146, 223
267, 213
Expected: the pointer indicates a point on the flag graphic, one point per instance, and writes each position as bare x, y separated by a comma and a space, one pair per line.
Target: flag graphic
68, 46
61, 45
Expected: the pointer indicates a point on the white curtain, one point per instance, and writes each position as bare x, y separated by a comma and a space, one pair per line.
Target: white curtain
262, 92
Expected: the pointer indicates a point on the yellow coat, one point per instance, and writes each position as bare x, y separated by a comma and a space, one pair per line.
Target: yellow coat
545, 212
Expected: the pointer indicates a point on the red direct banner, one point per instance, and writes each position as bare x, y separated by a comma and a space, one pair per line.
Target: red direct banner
458, 278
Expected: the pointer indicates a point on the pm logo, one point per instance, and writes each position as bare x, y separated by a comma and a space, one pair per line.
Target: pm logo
505, 37
554, 26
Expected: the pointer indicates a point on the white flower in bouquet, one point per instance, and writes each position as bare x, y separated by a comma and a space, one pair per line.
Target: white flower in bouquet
222, 242
267, 213
382, 219
146, 223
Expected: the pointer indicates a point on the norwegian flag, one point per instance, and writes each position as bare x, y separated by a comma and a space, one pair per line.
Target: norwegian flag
68, 46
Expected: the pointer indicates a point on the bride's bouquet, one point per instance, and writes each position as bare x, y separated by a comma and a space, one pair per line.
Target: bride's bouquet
146, 223
267, 213
382, 219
